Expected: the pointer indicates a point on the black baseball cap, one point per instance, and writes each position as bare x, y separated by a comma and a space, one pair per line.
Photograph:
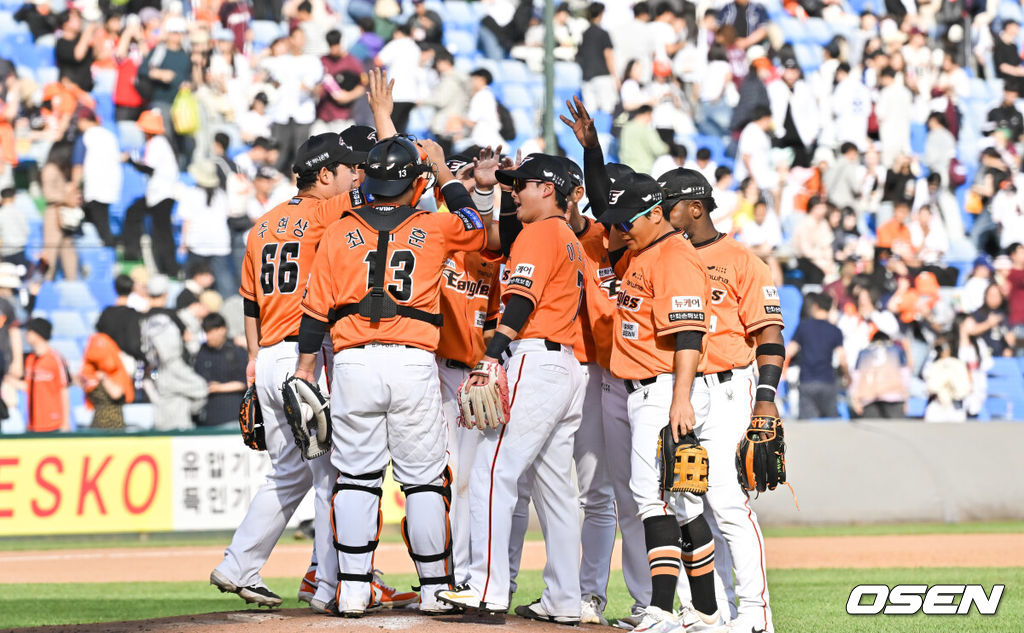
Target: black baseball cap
359, 138
324, 150
630, 197
684, 184
574, 171
617, 171
457, 161
40, 326
267, 172
543, 167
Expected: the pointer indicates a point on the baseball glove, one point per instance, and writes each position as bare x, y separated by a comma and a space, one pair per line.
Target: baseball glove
250, 418
309, 415
684, 464
761, 455
484, 406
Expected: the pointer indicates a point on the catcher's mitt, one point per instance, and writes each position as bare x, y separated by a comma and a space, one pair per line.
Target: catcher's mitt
250, 419
761, 455
485, 406
684, 464
309, 415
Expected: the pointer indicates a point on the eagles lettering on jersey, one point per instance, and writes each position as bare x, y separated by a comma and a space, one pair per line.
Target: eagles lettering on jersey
456, 280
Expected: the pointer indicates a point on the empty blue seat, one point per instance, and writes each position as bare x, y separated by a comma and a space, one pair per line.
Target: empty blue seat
792, 302
69, 324
514, 71
916, 406
1005, 389
809, 56
918, 135
526, 128
265, 31
516, 96
460, 12
75, 294
460, 43
568, 75
70, 350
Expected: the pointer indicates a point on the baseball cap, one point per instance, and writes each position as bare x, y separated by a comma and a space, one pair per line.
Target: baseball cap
790, 62
574, 171
324, 150
684, 184
267, 172
630, 198
359, 138
457, 161
617, 171
40, 326
157, 286
983, 260
542, 167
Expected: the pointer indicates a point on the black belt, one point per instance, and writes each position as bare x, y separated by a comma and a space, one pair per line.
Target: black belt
633, 385
723, 376
454, 364
292, 339
551, 346
372, 344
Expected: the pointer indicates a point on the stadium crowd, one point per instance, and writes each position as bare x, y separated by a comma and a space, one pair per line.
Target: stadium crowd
869, 151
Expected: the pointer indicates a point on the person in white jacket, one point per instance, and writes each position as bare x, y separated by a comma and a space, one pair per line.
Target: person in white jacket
794, 112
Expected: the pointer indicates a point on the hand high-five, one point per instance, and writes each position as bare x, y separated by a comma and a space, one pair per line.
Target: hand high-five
380, 90
484, 167
581, 123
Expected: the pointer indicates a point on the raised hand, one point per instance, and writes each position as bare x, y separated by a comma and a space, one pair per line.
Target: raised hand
382, 102
581, 123
485, 166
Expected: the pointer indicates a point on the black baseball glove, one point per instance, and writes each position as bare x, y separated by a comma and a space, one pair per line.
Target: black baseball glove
684, 464
761, 455
250, 419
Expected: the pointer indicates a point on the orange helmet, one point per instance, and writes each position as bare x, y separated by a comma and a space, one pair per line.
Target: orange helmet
151, 122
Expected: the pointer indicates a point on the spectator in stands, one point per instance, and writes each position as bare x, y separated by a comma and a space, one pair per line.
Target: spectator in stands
39, 18
235, 15
204, 230
222, 364
750, 19
180, 393
503, 27
450, 99
880, 380
894, 235
639, 143
315, 27
425, 26
939, 147
948, 382
1006, 56
132, 49
481, 118
293, 108
107, 384
794, 113
929, 244
972, 293
753, 94
812, 244
46, 381
74, 49
818, 342
596, 58
754, 151
1014, 290
157, 288
11, 356
567, 40
893, 110
161, 168
705, 165
989, 323
843, 179
1006, 116
258, 154
62, 219
341, 87
121, 322
13, 229
401, 56
93, 170
265, 194
850, 103
168, 66
199, 279
369, 43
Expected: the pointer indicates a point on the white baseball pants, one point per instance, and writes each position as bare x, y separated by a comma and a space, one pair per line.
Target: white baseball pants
288, 482
546, 393
461, 450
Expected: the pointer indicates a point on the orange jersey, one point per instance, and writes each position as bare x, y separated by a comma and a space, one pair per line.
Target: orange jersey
46, 381
664, 290
602, 288
416, 253
743, 300
278, 259
547, 267
468, 281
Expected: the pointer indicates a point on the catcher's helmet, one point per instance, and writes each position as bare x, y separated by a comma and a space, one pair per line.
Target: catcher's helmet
392, 165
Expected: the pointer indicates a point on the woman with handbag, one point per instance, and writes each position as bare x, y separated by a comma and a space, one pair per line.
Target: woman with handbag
63, 217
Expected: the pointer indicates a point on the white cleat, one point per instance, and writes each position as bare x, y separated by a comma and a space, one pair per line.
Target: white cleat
692, 621
655, 620
466, 598
592, 611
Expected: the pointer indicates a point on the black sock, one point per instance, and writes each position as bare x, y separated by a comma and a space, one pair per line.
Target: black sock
663, 555
698, 555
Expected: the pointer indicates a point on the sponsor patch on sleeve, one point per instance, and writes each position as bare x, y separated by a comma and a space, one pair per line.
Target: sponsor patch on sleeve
675, 317
772, 310
630, 331
521, 281
479, 318
606, 272
687, 303
771, 293
470, 218
523, 270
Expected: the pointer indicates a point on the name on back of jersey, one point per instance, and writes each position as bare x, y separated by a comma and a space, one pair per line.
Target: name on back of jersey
284, 226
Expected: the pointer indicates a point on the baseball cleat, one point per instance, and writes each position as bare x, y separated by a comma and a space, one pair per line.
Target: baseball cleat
388, 597
630, 621
430, 605
323, 608
692, 620
259, 595
307, 588
534, 611
592, 611
655, 620
464, 597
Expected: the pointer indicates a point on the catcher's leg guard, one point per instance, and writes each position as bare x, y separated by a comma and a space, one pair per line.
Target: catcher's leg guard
356, 499
430, 531
698, 555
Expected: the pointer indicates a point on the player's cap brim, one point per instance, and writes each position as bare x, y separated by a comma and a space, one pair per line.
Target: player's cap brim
387, 188
508, 176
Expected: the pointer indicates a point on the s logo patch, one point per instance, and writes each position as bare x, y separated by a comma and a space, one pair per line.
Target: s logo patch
717, 295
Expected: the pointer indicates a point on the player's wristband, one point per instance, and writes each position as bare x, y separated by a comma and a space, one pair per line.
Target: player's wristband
768, 383
499, 343
771, 349
311, 334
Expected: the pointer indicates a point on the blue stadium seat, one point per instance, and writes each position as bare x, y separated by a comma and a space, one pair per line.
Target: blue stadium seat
511, 70
792, 302
69, 324
918, 135
460, 43
1005, 389
70, 350
809, 56
516, 96
526, 128
459, 12
568, 75
75, 294
817, 31
602, 122
419, 122
916, 407
265, 31
714, 143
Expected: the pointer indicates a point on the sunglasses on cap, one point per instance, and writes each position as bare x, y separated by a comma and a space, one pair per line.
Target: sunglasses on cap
627, 225
520, 184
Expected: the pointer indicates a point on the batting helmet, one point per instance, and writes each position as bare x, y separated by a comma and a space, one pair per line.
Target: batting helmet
392, 165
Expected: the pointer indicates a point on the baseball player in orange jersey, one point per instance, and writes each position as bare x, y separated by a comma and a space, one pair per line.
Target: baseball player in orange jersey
658, 329
535, 337
278, 258
597, 535
377, 279
744, 312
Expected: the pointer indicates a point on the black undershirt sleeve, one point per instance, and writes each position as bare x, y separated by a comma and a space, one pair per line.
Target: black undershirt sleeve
311, 334
509, 225
688, 339
517, 309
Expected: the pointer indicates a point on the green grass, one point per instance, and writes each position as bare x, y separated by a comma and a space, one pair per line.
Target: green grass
987, 527
804, 600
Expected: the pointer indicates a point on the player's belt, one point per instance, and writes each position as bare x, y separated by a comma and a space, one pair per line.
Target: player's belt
292, 339
633, 385
720, 377
550, 346
454, 364
378, 345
